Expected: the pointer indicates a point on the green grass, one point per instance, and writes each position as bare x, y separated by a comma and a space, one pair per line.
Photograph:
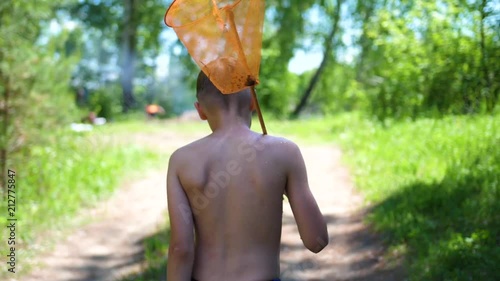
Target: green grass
149, 126
315, 130
56, 181
434, 190
309, 131
155, 253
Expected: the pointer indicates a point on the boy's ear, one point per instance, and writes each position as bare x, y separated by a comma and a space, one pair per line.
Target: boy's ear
200, 111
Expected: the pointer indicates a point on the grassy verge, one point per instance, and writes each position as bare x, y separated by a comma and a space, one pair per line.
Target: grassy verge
150, 126
155, 252
56, 181
434, 189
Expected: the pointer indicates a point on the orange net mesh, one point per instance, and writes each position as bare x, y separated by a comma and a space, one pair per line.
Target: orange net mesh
223, 37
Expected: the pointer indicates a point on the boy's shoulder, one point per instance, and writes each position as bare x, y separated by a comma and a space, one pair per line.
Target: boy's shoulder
273, 145
266, 143
193, 148
186, 154
275, 142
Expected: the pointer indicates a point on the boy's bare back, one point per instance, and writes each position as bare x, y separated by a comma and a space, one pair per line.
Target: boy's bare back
225, 192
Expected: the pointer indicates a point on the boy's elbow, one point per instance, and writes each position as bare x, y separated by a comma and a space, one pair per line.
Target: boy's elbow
318, 246
322, 243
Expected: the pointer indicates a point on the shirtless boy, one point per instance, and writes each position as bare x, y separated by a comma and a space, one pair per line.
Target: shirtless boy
225, 196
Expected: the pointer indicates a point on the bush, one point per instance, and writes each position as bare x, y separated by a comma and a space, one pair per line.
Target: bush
74, 171
35, 98
105, 102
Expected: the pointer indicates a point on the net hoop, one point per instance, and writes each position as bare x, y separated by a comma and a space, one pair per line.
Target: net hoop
168, 21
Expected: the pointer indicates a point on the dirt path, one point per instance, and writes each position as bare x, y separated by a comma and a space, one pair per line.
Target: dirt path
353, 253
110, 247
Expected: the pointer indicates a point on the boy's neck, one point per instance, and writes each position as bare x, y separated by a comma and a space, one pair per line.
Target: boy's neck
228, 122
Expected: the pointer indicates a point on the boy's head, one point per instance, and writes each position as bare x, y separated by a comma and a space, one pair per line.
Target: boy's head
211, 101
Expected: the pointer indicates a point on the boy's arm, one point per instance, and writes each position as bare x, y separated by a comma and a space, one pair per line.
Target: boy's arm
310, 221
181, 246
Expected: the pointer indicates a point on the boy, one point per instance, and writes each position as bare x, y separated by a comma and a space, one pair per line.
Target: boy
225, 196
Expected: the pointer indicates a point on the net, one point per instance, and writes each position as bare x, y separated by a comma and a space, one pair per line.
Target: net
223, 37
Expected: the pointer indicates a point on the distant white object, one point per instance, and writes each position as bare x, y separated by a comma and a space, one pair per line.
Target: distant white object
78, 127
99, 121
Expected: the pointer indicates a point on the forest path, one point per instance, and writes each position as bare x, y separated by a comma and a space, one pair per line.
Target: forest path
110, 247
354, 252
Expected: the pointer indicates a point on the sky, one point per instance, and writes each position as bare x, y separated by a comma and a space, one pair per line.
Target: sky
303, 61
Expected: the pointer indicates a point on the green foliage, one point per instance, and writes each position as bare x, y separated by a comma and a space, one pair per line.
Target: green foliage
338, 92
283, 28
167, 104
105, 102
160, 94
429, 58
434, 188
72, 171
104, 20
33, 80
121, 39
155, 253
393, 59
88, 168
277, 94
403, 59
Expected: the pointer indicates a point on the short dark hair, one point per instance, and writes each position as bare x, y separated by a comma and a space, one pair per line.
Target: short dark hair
208, 94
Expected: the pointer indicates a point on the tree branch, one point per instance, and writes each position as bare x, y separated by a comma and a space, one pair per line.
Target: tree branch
326, 55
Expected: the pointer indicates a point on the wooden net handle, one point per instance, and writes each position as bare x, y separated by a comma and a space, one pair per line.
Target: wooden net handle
259, 112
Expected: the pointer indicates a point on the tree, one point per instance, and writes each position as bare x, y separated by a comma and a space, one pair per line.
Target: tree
327, 56
427, 58
490, 92
363, 13
129, 45
30, 75
132, 27
409, 58
284, 31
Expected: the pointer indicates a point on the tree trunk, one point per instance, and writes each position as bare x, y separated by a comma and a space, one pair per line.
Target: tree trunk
129, 43
326, 55
365, 42
486, 83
